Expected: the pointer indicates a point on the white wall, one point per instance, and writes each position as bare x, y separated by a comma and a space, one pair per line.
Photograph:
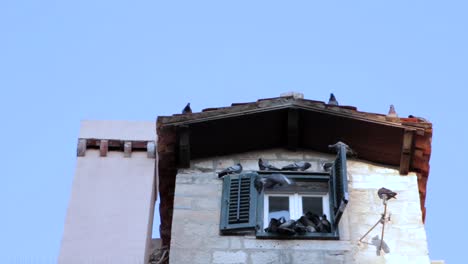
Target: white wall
110, 213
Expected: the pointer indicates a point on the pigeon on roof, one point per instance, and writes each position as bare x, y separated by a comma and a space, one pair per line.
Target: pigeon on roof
297, 166
187, 109
270, 181
385, 193
264, 165
229, 170
332, 100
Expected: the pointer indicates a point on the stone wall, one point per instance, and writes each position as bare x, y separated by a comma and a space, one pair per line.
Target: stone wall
195, 228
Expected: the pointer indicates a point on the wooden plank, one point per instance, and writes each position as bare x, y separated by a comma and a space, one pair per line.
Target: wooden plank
103, 147
293, 129
184, 146
127, 149
406, 150
81, 148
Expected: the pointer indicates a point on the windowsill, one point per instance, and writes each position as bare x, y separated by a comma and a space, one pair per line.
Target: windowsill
318, 236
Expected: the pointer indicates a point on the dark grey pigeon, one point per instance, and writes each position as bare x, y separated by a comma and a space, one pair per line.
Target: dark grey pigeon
332, 100
385, 193
325, 224
338, 145
270, 181
287, 228
229, 170
187, 109
264, 165
327, 166
297, 166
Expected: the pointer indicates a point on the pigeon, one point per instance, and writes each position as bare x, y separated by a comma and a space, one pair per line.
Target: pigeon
297, 166
325, 225
287, 228
386, 194
274, 224
300, 228
332, 100
309, 225
313, 217
376, 241
327, 166
233, 169
187, 109
337, 147
263, 165
270, 181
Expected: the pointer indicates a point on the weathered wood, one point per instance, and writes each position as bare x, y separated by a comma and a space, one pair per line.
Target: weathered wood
103, 147
81, 148
406, 150
293, 129
184, 146
127, 149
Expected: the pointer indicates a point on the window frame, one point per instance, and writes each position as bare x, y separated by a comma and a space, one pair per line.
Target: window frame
298, 176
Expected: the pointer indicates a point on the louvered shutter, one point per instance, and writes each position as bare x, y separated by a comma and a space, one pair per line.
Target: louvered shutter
340, 184
238, 204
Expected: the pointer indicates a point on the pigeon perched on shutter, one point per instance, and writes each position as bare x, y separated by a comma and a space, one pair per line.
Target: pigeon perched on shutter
332, 100
385, 193
297, 166
270, 181
187, 109
327, 166
338, 145
229, 170
264, 165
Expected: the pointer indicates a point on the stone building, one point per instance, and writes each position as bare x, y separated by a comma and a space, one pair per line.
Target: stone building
207, 219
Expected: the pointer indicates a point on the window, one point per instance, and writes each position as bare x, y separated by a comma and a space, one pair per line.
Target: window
244, 209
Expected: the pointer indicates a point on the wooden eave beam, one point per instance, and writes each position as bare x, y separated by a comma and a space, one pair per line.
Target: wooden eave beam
293, 129
406, 151
184, 147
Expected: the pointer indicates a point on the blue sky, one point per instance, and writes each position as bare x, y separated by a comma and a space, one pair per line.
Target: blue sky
64, 61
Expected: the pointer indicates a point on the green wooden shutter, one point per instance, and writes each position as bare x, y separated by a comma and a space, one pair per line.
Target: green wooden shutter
238, 203
340, 184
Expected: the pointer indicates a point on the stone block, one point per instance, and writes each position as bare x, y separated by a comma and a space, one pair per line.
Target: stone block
265, 257
308, 256
192, 190
202, 164
255, 155
249, 164
181, 202
296, 156
236, 242
184, 256
208, 204
229, 257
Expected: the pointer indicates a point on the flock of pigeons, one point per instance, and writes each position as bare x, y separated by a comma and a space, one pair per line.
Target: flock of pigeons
308, 223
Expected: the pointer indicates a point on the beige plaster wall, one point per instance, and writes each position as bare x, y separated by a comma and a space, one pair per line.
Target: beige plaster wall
110, 212
195, 228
